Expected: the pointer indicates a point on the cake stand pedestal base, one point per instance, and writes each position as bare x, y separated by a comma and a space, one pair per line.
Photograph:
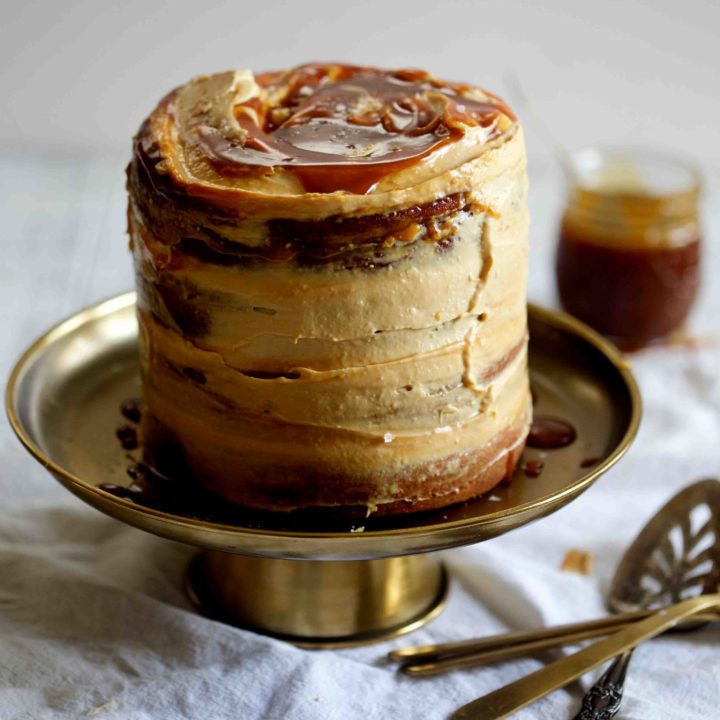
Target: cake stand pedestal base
318, 603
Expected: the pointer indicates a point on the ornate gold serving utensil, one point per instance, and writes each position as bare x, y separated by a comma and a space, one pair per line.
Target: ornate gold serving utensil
653, 573
676, 555
506, 700
433, 659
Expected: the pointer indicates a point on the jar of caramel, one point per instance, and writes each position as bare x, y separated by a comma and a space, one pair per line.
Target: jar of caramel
629, 249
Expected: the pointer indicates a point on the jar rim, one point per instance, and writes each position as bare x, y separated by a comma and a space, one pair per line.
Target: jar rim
633, 169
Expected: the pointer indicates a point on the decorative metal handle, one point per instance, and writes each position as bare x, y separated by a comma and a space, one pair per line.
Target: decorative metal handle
602, 700
428, 660
505, 701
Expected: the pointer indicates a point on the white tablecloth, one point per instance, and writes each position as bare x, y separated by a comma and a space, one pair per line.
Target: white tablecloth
93, 620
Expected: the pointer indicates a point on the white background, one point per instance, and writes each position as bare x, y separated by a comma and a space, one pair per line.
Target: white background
85, 73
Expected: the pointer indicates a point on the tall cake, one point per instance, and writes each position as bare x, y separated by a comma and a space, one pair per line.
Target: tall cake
331, 269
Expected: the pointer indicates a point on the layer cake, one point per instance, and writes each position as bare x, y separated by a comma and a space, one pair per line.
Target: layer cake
331, 269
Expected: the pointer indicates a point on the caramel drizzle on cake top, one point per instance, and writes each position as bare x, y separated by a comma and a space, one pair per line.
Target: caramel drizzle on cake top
336, 127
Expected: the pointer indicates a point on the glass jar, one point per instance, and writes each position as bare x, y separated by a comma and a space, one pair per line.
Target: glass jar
628, 256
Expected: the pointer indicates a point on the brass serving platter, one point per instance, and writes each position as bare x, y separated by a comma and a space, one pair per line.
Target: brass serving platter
63, 401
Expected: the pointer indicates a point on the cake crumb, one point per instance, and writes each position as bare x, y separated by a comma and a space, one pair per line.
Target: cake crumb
107, 707
577, 561
359, 528
494, 498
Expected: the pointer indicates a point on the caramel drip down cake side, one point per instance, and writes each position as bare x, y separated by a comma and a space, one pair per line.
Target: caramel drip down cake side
331, 270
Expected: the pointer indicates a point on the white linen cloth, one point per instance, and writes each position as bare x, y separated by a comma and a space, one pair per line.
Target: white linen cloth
93, 618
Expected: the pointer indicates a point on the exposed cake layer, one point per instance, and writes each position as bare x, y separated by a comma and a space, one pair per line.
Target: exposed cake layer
272, 465
333, 348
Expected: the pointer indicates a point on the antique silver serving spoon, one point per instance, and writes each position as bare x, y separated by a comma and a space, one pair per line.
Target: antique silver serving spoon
651, 574
676, 556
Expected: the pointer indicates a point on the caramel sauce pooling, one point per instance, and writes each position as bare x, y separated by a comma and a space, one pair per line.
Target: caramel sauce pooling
342, 127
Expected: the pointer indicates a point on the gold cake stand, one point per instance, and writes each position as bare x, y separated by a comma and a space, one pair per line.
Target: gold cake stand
313, 581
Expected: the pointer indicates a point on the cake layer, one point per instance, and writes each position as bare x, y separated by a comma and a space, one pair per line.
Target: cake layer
273, 316
416, 392
277, 466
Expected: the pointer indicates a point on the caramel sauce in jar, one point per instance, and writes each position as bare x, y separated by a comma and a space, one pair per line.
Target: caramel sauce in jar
628, 256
